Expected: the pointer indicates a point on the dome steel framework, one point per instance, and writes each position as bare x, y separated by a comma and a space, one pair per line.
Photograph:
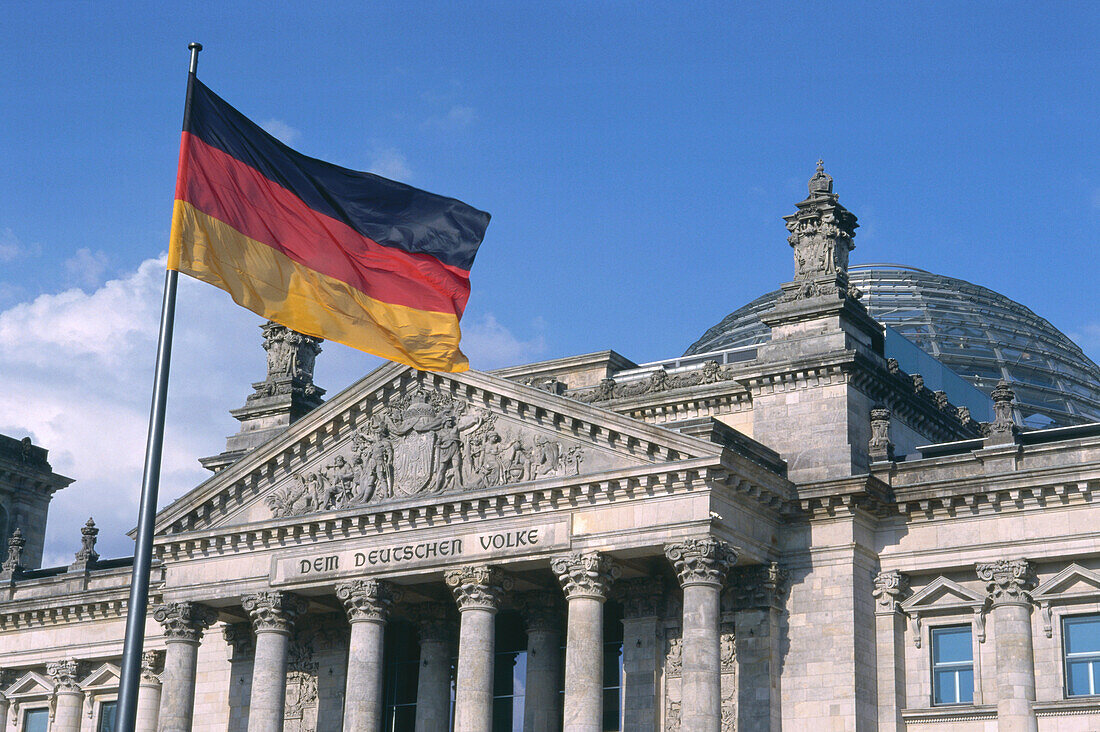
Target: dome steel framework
979, 334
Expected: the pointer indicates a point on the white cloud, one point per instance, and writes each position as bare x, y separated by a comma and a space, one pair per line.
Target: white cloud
85, 268
282, 131
457, 117
81, 365
489, 345
389, 162
12, 248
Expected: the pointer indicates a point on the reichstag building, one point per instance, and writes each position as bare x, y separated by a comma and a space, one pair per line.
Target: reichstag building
864, 501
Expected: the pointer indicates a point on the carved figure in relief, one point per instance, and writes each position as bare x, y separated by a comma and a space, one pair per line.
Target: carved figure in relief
373, 451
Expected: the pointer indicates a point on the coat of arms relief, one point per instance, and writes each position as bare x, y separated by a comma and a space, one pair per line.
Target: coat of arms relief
425, 443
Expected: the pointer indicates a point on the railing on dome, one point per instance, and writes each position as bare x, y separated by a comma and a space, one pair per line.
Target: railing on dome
681, 364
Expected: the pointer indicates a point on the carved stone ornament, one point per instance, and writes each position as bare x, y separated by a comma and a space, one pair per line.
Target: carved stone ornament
303, 666
674, 653
368, 599
585, 575
641, 597
1008, 581
239, 637
660, 380
184, 621
701, 561
273, 612
87, 554
289, 353
152, 665
478, 588
14, 562
542, 611
425, 443
728, 649
756, 586
880, 448
433, 622
890, 588
1002, 429
64, 675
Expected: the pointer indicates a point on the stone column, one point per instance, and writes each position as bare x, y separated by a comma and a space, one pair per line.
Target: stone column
477, 592
273, 615
642, 598
754, 597
433, 685
148, 701
68, 696
890, 588
1008, 583
542, 705
585, 580
701, 566
368, 603
183, 624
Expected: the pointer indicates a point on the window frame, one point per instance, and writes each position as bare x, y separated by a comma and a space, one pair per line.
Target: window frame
24, 712
1094, 656
952, 665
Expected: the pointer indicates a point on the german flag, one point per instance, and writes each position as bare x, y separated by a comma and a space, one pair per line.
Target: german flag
327, 251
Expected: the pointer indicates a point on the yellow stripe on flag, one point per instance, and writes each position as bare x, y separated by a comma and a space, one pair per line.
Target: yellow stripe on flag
272, 285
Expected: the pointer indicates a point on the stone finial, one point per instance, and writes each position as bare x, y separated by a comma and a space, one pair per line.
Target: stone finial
184, 621
821, 233
542, 611
964, 416
890, 587
14, 562
290, 354
478, 587
585, 575
701, 561
1008, 581
879, 447
87, 554
273, 612
641, 597
368, 599
756, 586
152, 664
64, 675
239, 637
1003, 428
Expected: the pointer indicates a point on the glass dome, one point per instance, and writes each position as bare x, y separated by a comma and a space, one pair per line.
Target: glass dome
979, 334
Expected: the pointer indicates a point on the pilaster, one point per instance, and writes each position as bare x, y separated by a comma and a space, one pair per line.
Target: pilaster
642, 599
755, 598
542, 615
890, 588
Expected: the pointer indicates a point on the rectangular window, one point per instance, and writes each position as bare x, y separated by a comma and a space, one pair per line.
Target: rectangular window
1081, 639
36, 720
952, 665
107, 717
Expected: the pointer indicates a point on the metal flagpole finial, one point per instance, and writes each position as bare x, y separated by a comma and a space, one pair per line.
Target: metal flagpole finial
194, 48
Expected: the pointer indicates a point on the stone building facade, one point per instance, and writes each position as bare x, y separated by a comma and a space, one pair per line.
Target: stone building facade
799, 536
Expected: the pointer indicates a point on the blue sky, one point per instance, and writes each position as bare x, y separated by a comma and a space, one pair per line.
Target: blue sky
636, 158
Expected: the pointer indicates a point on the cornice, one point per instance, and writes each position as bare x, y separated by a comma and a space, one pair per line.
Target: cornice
860, 494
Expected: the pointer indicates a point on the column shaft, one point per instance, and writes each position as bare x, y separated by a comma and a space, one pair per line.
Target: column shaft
890, 656
1015, 668
67, 712
433, 687
542, 705
148, 705
177, 696
363, 703
584, 665
474, 685
702, 668
268, 703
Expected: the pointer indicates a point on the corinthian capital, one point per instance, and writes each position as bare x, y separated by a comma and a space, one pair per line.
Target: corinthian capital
701, 561
1008, 581
273, 612
756, 586
642, 597
368, 599
152, 664
585, 575
184, 621
890, 587
478, 588
63, 674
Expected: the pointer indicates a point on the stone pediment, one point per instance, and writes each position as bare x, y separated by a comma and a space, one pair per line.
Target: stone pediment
401, 435
104, 675
941, 594
1072, 581
30, 684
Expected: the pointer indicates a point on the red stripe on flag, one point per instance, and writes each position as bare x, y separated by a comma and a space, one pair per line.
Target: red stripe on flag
225, 188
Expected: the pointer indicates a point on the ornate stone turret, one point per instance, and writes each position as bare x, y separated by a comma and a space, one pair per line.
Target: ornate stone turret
278, 401
27, 484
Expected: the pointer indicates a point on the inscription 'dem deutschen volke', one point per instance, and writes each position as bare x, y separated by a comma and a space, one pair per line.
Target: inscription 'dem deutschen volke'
396, 554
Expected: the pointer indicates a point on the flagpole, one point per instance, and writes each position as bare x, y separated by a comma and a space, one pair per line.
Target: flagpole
136, 609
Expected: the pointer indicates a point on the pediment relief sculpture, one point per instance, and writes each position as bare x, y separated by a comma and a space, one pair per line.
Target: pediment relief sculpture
426, 443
